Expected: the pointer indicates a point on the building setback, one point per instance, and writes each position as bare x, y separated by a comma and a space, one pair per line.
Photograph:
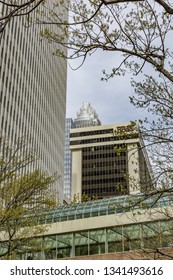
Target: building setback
33, 93
108, 160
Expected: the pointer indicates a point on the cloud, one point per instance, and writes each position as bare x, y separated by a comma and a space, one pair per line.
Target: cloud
109, 99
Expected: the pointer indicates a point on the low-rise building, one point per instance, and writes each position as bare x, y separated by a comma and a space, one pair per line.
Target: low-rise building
124, 227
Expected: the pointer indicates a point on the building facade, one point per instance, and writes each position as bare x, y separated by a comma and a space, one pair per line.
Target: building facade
68, 159
108, 160
33, 93
124, 227
86, 116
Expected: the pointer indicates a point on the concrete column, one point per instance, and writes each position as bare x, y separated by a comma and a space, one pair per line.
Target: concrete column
77, 173
106, 241
133, 168
72, 245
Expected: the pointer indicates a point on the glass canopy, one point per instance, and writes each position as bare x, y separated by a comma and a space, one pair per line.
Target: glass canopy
105, 206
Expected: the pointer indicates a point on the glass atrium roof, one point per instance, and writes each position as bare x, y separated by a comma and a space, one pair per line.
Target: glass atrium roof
106, 206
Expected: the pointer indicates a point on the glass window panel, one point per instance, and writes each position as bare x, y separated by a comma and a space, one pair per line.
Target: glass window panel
95, 214
64, 245
114, 238
131, 235
78, 216
71, 217
86, 215
97, 242
49, 244
81, 244
150, 234
166, 233
63, 218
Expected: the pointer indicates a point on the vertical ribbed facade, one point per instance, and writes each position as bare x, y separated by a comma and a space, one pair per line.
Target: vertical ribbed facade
68, 159
33, 94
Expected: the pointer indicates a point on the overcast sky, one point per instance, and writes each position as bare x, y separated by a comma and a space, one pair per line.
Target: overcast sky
109, 99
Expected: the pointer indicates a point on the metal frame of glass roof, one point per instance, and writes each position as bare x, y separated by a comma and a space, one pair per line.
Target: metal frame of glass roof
106, 206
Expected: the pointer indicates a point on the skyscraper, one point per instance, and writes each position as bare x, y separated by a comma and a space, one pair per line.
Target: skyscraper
33, 94
68, 159
86, 116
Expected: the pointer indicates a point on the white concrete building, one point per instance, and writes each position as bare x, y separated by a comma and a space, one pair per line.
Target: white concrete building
33, 93
108, 160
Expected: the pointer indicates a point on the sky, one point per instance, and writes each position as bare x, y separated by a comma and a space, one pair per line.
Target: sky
110, 99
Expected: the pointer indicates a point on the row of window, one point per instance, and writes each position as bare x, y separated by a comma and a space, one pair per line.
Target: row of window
104, 139
104, 163
102, 181
88, 133
105, 190
102, 156
104, 172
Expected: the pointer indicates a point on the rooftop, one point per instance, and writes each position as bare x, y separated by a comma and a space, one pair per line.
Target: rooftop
106, 206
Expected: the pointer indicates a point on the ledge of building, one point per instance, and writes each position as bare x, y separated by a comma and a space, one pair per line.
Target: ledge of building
159, 254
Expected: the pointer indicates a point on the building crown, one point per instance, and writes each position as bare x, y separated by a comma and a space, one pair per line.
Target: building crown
86, 116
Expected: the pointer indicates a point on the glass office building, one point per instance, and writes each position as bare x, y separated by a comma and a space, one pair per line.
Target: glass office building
68, 159
86, 116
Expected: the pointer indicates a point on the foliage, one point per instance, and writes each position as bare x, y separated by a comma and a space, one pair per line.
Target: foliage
84, 198
140, 33
132, 28
24, 191
10, 9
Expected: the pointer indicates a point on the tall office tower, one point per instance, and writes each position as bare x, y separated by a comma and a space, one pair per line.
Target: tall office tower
87, 116
109, 160
33, 93
68, 159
